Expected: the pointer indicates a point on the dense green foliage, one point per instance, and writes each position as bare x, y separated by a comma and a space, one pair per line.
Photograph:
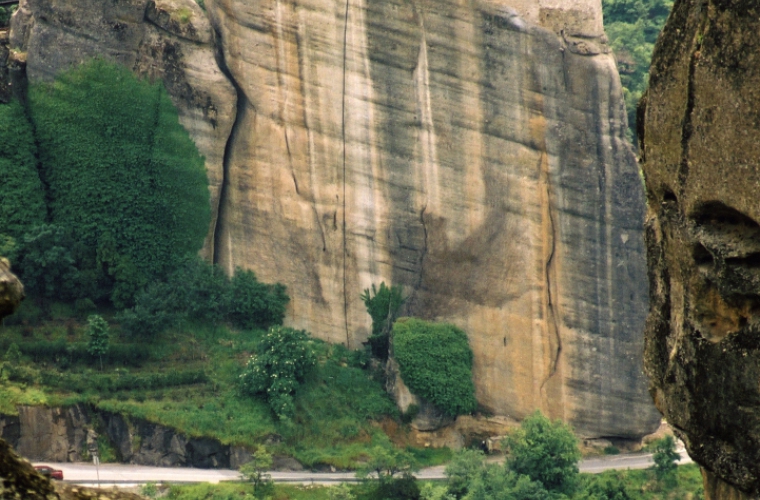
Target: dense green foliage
435, 361
45, 262
382, 305
283, 358
123, 177
545, 451
198, 292
633, 27
255, 472
22, 197
665, 457
187, 378
464, 467
97, 337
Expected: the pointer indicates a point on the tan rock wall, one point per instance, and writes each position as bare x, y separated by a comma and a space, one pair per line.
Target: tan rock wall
471, 152
459, 150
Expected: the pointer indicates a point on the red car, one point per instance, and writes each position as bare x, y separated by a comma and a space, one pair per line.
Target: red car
50, 472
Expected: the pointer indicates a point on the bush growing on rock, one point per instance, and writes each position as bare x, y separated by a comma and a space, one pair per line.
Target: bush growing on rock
435, 361
382, 305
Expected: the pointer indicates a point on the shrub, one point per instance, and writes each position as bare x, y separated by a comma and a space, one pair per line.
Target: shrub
382, 305
254, 304
122, 174
283, 358
435, 361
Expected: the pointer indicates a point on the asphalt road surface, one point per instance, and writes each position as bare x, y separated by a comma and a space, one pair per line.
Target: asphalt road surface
124, 474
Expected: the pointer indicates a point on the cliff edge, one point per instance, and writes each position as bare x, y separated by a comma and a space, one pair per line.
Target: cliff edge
700, 155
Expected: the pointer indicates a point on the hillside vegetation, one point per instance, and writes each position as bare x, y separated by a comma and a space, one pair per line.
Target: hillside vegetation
633, 27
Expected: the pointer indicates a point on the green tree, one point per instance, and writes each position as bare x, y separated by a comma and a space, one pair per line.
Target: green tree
255, 472
382, 305
606, 486
665, 457
633, 27
386, 462
391, 469
497, 482
545, 451
97, 337
464, 467
340, 492
22, 197
435, 361
430, 491
283, 358
122, 174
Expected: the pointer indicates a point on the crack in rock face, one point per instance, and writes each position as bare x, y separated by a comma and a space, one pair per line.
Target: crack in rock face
701, 161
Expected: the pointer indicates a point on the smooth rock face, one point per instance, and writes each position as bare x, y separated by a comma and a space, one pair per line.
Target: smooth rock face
463, 151
169, 40
701, 160
472, 152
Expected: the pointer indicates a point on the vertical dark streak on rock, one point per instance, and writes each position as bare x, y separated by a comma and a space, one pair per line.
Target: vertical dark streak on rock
424, 251
551, 316
343, 132
307, 126
290, 158
242, 103
686, 127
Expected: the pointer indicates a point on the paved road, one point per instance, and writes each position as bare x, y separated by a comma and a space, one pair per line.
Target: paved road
123, 474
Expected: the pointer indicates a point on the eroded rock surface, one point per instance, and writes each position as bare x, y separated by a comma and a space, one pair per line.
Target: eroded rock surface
701, 160
472, 152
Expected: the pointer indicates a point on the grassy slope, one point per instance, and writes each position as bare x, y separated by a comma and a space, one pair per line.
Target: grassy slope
339, 408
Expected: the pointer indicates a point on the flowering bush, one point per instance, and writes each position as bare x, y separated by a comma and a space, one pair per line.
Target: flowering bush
283, 359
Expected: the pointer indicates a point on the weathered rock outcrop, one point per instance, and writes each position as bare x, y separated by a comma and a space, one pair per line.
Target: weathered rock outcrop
701, 159
472, 152
66, 434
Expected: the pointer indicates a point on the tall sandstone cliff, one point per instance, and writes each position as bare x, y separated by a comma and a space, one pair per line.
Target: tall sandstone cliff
471, 151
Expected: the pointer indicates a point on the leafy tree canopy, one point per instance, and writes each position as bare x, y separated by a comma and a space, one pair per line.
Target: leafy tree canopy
545, 451
283, 358
22, 197
435, 361
122, 174
633, 27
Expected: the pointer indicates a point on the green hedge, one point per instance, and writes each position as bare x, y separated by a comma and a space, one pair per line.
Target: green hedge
76, 352
435, 361
83, 382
